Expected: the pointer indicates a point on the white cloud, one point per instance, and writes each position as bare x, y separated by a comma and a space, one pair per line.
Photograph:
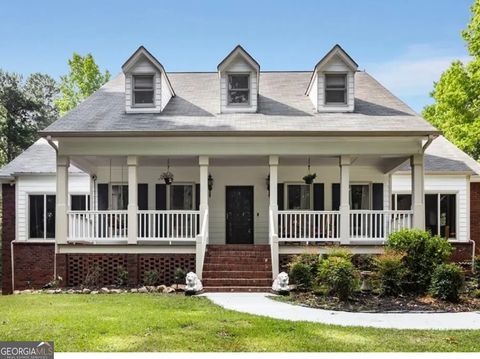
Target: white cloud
413, 73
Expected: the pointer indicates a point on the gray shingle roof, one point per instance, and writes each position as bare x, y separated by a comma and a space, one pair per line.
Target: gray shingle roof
282, 106
39, 158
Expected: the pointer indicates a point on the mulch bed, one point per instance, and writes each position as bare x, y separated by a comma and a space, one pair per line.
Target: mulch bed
372, 303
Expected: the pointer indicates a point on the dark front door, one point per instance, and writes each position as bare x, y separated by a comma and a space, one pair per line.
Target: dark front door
239, 214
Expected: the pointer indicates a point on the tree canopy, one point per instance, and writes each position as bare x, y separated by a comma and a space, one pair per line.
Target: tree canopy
26, 106
83, 80
456, 111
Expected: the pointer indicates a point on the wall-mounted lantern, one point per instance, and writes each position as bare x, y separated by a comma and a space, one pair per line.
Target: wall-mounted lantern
210, 185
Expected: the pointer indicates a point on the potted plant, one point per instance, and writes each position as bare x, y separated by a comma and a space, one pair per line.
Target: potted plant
309, 178
167, 177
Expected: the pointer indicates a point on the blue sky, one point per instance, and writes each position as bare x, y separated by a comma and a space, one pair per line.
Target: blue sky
405, 44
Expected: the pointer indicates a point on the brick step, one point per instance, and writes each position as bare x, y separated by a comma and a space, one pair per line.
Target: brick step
222, 289
237, 260
246, 254
236, 274
256, 247
237, 282
236, 267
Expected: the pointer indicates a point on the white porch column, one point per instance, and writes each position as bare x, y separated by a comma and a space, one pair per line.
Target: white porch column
418, 191
132, 162
203, 162
344, 199
273, 164
61, 225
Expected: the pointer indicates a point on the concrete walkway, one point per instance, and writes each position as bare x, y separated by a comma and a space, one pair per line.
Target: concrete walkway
260, 304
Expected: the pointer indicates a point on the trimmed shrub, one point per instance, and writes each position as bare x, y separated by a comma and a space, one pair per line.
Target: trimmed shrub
122, 276
179, 275
364, 261
301, 275
151, 277
423, 252
340, 253
447, 281
338, 274
391, 272
476, 269
93, 276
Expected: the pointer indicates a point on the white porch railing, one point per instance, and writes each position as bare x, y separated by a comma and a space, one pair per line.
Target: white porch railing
308, 225
377, 225
201, 244
97, 225
168, 225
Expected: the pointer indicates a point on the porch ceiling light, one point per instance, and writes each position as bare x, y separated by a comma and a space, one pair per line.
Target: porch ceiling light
167, 176
210, 184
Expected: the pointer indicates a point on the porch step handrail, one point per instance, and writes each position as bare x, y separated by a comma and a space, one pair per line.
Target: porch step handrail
168, 225
273, 241
310, 226
97, 225
201, 244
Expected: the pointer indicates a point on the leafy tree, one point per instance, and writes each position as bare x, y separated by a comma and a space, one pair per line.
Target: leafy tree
83, 79
456, 111
25, 107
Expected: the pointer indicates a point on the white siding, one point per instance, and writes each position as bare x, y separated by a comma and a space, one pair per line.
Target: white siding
442, 184
313, 94
238, 65
42, 184
165, 90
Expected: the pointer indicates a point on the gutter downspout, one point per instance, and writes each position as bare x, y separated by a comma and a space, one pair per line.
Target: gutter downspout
51, 143
13, 265
473, 254
429, 141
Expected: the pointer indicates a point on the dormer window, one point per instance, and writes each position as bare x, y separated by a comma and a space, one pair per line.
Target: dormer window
143, 90
335, 89
238, 89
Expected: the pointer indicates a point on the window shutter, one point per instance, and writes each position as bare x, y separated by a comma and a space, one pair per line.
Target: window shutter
377, 196
142, 196
318, 197
197, 196
280, 197
102, 196
335, 196
160, 197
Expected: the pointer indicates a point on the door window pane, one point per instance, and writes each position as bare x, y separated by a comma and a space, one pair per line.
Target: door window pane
448, 215
181, 197
50, 216
431, 213
298, 196
36, 211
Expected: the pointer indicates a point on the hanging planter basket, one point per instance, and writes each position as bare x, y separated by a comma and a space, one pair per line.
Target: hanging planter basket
308, 179
167, 177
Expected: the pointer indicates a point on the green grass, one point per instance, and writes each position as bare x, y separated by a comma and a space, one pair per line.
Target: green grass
138, 322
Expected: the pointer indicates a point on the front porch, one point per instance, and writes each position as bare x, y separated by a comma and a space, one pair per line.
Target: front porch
225, 199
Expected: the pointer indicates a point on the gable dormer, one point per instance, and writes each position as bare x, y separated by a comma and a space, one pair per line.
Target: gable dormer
239, 75
147, 88
331, 88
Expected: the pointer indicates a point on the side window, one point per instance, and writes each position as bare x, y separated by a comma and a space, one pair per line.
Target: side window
298, 196
80, 202
41, 214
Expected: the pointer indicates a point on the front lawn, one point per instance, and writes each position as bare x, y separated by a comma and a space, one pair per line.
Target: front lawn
150, 322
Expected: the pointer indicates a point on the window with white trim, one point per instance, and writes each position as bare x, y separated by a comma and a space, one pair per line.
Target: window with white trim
119, 196
181, 196
41, 216
299, 196
440, 212
143, 90
335, 89
238, 89
80, 202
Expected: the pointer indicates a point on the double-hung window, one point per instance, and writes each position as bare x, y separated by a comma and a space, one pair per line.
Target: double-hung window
80, 202
238, 89
143, 90
335, 89
41, 213
181, 196
299, 197
119, 197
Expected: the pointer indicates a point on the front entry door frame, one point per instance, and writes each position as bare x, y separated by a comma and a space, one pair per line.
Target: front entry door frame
249, 239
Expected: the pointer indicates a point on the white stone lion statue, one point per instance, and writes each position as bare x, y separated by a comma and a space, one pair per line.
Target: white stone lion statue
280, 284
193, 283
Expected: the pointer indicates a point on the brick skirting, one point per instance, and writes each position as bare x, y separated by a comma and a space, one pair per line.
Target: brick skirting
475, 215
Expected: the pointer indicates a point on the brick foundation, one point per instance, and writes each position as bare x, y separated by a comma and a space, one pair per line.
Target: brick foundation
33, 264
8, 235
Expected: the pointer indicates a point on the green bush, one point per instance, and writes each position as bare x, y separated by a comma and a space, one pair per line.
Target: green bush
300, 274
122, 276
391, 272
476, 269
93, 276
447, 281
338, 274
423, 253
179, 275
151, 277
364, 261
340, 253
